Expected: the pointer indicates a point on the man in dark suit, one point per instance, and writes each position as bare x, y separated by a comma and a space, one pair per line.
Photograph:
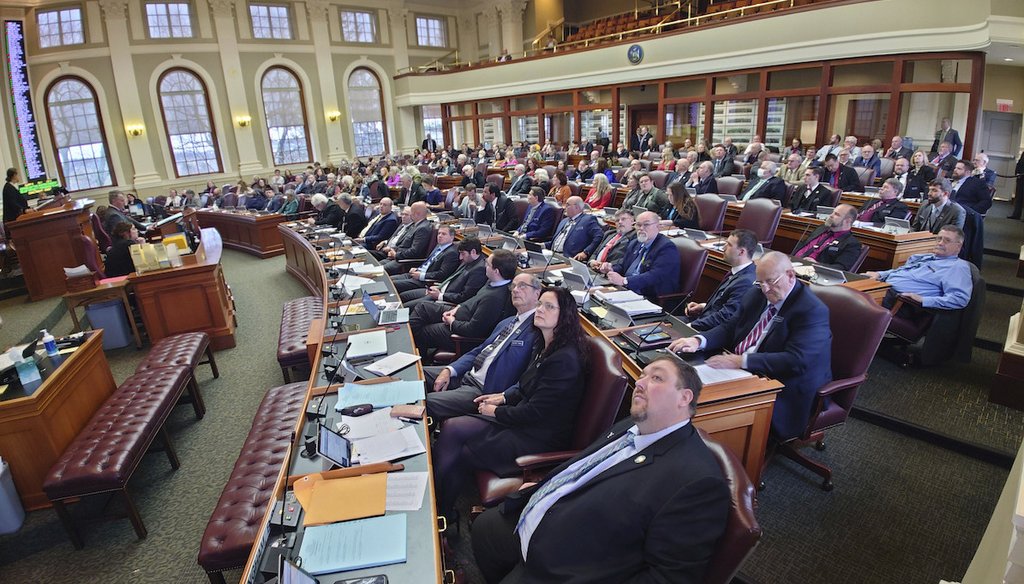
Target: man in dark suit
493, 366
432, 326
539, 217
429, 144
650, 265
412, 190
939, 210
471, 178
840, 176
808, 196
947, 134
380, 227
461, 285
702, 180
578, 235
583, 172
328, 212
116, 213
721, 164
645, 503
354, 219
498, 211
725, 301
944, 161
970, 190
647, 196
638, 141
832, 244
887, 205
440, 264
982, 171
615, 243
414, 242
898, 150
766, 185
780, 331
521, 182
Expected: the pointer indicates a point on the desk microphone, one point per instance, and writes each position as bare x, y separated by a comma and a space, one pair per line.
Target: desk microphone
662, 322
546, 264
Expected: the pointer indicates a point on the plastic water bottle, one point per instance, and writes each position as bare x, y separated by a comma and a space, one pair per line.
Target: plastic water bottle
49, 343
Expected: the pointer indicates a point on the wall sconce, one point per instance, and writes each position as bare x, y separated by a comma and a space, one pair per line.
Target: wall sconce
243, 121
333, 116
135, 130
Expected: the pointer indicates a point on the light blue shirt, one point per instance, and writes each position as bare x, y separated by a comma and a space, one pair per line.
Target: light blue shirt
942, 282
641, 441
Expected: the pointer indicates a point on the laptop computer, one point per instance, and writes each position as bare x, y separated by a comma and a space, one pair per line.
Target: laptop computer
574, 282
368, 344
611, 211
389, 316
893, 225
509, 243
533, 246
696, 234
333, 446
637, 209
729, 198
828, 276
467, 223
590, 277
484, 231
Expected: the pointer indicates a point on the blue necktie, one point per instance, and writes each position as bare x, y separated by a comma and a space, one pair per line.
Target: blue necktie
430, 258
634, 268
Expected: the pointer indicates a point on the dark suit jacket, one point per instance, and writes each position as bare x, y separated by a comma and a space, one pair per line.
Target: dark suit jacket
797, 351
775, 188
839, 253
638, 143
15, 203
903, 152
848, 179
725, 301
415, 242
382, 230
973, 193
505, 214
585, 236
520, 185
917, 183
429, 145
725, 168
615, 254
707, 186
539, 226
354, 221
670, 509
444, 265
802, 201
951, 214
477, 182
894, 208
330, 215
413, 194
115, 216
477, 316
509, 362
587, 174
659, 273
466, 282
952, 136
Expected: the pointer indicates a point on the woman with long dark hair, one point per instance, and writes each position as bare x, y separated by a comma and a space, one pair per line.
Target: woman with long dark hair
682, 211
537, 415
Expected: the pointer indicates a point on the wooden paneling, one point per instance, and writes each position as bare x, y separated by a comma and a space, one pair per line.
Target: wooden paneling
254, 234
45, 248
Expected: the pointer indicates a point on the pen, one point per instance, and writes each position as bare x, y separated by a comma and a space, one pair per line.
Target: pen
409, 420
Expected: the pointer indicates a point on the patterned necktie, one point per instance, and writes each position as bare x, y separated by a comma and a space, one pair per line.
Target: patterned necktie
486, 352
565, 477
635, 267
870, 211
756, 332
526, 220
559, 243
603, 256
430, 259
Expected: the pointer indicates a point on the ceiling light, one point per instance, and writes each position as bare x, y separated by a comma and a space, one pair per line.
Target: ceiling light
1008, 59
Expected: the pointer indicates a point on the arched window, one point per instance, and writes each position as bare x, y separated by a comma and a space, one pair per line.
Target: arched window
366, 106
77, 133
286, 117
189, 124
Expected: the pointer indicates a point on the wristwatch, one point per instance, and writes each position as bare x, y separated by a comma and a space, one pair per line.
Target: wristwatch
625, 282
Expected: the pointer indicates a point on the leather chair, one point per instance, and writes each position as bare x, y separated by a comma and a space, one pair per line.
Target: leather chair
711, 209
229, 200
692, 257
729, 185
866, 175
463, 345
659, 178
888, 166
102, 237
497, 180
742, 531
864, 251
481, 167
574, 188
85, 248
858, 325
762, 217
836, 195
305, 206
521, 206
551, 170
413, 262
790, 189
606, 385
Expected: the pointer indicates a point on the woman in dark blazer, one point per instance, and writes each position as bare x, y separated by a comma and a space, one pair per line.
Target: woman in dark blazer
537, 415
682, 212
918, 177
119, 258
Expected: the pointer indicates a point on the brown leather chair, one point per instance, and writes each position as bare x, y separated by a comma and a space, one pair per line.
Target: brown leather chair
413, 262
606, 385
102, 237
858, 325
742, 530
711, 209
866, 175
864, 251
659, 178
762, 217
574, 189
836, 195
790, 189
888, 166
729, 185
497, 180
692, 257
463, 345
521, 206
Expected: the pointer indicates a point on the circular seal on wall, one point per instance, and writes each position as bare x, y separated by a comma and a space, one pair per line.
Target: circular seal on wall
635, 54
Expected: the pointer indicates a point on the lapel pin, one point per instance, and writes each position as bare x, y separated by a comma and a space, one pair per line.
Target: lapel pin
640, 459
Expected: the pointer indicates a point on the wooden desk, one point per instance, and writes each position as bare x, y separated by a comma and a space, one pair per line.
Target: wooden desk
248, 232
194, 297
44, 243
858, 200
888, 250
35, 430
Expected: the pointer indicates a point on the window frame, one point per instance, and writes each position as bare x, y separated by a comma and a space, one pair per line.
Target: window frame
441, 20
383, 113
99, 122
166, 3
268, 6
305, 118
375, 28
58, 10
209, 113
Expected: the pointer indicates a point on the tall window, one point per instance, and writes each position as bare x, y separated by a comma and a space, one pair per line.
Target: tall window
432, 122
77, 135
168, 20
189, 127
270, 22
358, 27
286, 118
60, 27
430, 32
366, 106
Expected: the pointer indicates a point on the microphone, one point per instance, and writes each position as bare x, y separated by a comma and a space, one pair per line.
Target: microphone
282, 543
664, 321
546, 264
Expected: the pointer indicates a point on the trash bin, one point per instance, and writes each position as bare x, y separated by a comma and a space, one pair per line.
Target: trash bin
12, 514
110, 317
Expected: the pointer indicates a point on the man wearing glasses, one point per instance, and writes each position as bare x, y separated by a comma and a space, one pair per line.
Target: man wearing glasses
650, 265
647, 196
780, 331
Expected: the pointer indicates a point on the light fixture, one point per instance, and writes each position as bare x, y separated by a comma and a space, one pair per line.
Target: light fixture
135, 130
243, 121
332, 116
1008, 59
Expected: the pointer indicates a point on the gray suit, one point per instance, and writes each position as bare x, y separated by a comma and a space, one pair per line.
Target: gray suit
951, 214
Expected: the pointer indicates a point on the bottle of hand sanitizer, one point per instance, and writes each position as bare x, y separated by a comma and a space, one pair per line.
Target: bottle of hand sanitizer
49, 343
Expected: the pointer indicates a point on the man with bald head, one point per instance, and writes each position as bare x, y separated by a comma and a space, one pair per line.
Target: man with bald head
579, 234
780, 331
650, 265
832, 244
521, 182
415, 243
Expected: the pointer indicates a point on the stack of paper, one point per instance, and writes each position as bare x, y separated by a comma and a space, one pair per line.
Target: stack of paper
368, 270
376, 422
642, 306
380, 395
618, 296
389, 446
350, 282
709, 375
352, 545
405, 491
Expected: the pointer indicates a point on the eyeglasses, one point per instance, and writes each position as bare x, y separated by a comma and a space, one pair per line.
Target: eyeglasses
520, 285
767, 285
647, 224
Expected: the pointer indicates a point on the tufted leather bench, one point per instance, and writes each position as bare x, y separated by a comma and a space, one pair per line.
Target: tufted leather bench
104, 455
296, 317
185, 349
232, 529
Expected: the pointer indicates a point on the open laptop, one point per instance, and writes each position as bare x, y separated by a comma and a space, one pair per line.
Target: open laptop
288, 572
696, 234
637, 209
828, 276
893, 225
484, 230
509, 243
533, 246
389, 316
610, 211
590, 277
368, 344
467, 223
823, 212
574, 282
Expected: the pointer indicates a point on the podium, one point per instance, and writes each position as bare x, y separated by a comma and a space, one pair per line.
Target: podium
44, 241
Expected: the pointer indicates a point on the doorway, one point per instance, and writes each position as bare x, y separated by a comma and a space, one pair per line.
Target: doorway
1000, 139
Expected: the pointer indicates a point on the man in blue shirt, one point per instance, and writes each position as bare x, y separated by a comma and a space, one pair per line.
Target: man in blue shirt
935, 280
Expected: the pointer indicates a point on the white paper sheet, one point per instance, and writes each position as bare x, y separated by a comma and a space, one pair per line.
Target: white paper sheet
389, 446
710, 375
405, 491
372, 424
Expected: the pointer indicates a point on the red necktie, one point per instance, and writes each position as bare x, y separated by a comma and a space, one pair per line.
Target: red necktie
602, 257
756, 332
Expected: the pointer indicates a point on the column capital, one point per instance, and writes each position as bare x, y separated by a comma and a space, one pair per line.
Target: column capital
512, 8
318, 8
222, 7
114, 8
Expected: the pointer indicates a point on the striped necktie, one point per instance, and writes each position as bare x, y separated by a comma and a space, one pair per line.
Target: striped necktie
756, 332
